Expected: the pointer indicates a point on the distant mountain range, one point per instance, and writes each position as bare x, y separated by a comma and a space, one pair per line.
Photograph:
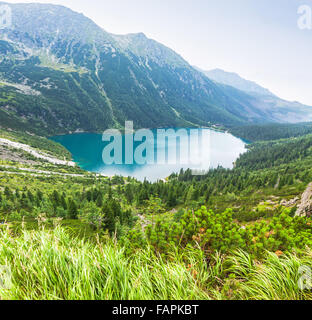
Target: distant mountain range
234, 80
60, 72
274, 108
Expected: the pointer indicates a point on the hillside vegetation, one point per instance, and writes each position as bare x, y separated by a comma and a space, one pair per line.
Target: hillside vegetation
230, 234
271, 131
60, 266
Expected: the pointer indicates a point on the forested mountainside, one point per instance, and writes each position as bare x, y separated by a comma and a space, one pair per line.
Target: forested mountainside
270, 131
60, 73
200, 237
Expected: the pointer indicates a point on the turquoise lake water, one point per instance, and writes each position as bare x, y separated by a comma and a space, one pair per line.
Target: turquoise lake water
213, 149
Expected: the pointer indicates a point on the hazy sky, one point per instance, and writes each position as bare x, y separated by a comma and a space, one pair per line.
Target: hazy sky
259, 39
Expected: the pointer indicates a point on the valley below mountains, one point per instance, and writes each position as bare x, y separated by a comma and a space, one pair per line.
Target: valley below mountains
238, 231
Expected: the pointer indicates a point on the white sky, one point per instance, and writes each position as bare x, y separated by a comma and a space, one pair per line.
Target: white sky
258, 39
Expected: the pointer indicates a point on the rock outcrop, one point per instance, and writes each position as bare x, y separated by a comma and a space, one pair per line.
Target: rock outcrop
291, 203
305, 206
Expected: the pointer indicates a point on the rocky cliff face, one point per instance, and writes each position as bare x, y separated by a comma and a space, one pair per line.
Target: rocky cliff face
305, 206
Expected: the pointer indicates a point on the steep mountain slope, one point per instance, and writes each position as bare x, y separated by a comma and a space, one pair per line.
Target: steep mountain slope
60, 72
261, 101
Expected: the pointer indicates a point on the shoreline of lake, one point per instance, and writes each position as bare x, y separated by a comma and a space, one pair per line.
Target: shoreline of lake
87, 148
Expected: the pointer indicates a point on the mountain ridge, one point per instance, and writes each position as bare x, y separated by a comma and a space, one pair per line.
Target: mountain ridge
296, 112
87, 79
235, 80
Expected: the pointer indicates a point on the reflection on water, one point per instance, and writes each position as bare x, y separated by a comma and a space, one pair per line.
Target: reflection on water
222, 149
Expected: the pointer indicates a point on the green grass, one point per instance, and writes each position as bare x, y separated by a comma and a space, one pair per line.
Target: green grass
54, 265
274, 279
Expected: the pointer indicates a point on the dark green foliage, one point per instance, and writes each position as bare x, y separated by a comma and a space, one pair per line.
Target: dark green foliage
72, 209
219, 232
276, 153
274, 131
